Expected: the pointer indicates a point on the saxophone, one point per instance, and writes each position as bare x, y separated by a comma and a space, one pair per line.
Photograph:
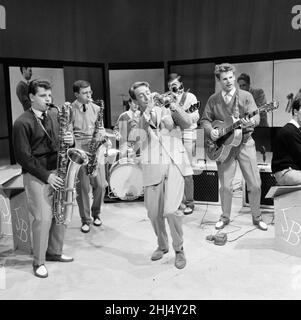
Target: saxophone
96, 141
69, 160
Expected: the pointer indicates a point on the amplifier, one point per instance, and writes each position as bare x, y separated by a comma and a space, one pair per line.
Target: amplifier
206, 186
267, 181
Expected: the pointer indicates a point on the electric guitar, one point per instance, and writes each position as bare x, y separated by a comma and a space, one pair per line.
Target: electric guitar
230, 134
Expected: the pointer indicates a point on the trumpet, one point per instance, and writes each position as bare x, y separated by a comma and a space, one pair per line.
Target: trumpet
163, 100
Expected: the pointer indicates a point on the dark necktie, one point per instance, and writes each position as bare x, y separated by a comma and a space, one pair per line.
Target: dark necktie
43, 118
84, 107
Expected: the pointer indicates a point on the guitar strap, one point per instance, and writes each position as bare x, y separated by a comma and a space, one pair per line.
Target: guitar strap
235, 108
183, 99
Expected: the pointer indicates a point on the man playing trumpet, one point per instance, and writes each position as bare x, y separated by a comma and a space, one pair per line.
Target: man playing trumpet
164, 166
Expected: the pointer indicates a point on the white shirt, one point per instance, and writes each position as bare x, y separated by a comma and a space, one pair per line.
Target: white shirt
228, 95
295, 123
38, 113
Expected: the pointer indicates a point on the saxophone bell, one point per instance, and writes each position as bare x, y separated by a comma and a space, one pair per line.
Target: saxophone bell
77, 156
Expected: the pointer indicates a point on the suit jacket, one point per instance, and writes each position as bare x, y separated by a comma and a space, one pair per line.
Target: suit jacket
22, 93
161, 144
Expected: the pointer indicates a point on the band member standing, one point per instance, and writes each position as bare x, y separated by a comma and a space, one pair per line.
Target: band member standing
126, 123
185, 100
84, 114
236, 103
244, 83
164, 165
22, 87
35, 141
286, 161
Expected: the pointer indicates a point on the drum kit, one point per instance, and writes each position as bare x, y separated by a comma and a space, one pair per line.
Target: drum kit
125, 177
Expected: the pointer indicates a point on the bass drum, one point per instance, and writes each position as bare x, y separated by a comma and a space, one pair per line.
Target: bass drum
126, 182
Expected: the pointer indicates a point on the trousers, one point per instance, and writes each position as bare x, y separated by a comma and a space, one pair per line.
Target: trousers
47, 235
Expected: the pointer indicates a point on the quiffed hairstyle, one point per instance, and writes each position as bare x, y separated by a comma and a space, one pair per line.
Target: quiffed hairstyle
80, 84
224, 67
136, 85
245, 77
38, 83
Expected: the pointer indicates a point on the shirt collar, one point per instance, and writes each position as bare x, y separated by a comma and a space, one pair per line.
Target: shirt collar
38, 113
295, 123
79, 105
229, 94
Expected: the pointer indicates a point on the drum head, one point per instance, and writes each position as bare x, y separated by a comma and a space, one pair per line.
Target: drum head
126, 181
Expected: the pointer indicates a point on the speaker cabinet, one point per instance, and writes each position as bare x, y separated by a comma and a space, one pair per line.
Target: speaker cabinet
267, 181
206, 186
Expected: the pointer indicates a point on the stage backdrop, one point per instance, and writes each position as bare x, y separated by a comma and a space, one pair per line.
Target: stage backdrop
120, 82
154, 30
54, 75
287, 80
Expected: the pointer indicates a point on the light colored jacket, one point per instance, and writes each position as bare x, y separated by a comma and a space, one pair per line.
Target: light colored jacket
161, 146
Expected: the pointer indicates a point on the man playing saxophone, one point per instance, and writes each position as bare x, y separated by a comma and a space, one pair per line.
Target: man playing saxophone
35, 141
86, 121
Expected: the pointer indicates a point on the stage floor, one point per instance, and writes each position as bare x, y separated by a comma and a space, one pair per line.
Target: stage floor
113, 261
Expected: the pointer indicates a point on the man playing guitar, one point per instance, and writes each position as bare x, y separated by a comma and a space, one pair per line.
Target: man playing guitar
235, 103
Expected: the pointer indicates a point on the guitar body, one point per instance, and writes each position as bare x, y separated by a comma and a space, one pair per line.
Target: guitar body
230, 134
219, 150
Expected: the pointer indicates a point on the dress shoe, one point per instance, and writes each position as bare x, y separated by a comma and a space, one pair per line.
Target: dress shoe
261, 225
158, 254
59, 257
180, 261
188, 210
40, 271
221, 224
97, 222
85, 228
